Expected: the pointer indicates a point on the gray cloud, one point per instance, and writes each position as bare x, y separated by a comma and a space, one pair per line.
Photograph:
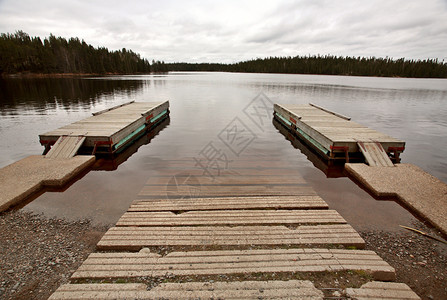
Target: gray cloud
228, 31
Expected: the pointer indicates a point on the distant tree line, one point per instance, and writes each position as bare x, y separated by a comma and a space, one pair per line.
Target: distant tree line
328, 65
21, 53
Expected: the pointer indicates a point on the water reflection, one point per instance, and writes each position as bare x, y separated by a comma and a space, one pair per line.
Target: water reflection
334, 170
43, 94
31, 106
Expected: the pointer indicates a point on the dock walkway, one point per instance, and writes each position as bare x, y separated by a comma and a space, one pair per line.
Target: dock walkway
227, 243
417, 190
27, 177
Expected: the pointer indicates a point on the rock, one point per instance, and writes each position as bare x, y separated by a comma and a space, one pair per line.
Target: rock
145, 250
10, 271
336, 294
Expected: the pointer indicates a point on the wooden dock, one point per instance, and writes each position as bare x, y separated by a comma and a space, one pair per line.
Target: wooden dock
336, 137
107, 131
229, 242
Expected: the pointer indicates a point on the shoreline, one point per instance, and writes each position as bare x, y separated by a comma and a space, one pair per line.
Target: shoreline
64, 75
25, 75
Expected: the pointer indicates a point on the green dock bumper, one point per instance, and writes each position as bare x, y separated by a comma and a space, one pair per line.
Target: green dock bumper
304, 135
140, 130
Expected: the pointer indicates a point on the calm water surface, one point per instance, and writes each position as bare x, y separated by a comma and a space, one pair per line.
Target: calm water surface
202, 106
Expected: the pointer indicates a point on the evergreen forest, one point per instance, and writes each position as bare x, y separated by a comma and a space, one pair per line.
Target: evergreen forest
20, 53
328, 65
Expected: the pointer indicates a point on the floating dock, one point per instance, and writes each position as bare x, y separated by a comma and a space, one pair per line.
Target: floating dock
239, 236
336, 137
107, 131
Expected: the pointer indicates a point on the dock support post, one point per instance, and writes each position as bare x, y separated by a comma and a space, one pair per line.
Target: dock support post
342, 148
396, 153
109, 143
47, 148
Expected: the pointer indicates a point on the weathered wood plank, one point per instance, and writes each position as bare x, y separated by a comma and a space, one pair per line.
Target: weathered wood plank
331, 112
66, 147
111, 108
374, 154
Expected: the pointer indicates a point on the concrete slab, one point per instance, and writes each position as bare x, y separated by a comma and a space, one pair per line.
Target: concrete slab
227, 203
135, 238
421, 192
198, 263
231, 217
29, 175
293, 289
382, 290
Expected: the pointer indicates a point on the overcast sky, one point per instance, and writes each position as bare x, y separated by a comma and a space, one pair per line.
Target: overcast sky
230, 31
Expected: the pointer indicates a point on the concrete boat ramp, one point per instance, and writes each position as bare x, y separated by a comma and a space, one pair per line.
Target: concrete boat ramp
259, 233
226, 243
109, 131
420, 192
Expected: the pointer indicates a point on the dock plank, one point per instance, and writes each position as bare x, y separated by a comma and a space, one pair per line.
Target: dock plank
375, 155
66, 147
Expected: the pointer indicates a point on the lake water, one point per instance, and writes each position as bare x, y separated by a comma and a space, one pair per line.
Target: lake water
203, 105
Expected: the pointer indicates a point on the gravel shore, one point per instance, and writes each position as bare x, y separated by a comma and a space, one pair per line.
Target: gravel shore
419, 261
38, 254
